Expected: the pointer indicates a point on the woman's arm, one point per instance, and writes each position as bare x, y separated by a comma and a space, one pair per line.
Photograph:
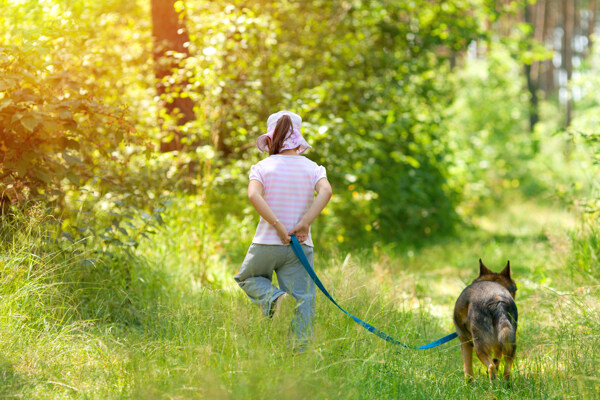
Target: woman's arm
255, 194
324, 193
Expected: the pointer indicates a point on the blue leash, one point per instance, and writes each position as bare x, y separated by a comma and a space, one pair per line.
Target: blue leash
304, 261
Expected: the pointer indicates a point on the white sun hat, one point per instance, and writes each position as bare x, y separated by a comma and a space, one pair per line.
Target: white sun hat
293, 138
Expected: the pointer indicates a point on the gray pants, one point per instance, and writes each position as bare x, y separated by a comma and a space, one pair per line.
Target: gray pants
255, 278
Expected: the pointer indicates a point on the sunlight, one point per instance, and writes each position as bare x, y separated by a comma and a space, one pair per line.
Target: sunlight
156, 157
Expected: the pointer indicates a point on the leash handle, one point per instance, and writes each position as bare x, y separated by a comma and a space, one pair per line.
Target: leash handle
304, 261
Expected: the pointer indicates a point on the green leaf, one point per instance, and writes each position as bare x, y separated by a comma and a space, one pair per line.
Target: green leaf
71, 159
73, 178
29, 122
42, 175
16, 116
413, 162
68, 236
22, 168
5, 103
88, 262
65, 114
6, 84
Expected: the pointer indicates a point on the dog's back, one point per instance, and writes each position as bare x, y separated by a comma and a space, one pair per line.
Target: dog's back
486, 317
486, 310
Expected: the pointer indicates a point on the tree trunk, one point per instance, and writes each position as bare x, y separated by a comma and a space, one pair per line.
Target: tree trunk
593, 9
4, 207
531, 82
547, 82
538, 34
170, 35
568, 7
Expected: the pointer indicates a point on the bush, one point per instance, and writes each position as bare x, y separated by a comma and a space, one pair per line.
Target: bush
52, 126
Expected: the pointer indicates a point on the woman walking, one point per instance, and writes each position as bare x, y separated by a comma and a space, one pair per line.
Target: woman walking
282, 190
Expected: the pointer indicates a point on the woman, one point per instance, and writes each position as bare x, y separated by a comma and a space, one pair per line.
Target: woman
282, 190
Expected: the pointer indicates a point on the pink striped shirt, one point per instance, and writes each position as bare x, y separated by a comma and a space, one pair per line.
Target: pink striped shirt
289, 189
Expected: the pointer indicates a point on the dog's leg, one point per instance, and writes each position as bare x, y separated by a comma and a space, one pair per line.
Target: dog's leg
496, 361
497, 357
466, 349
507, 365
484, 355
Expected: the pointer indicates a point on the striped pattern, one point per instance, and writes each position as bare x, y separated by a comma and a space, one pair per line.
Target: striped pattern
289, 189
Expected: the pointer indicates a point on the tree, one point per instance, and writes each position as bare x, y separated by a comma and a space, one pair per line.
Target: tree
52, 127
171, 41
592, 15
568, 11
531, 67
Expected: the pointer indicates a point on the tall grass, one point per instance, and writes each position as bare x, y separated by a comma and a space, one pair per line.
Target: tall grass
42, 336
61, 316
586, 249
152, 324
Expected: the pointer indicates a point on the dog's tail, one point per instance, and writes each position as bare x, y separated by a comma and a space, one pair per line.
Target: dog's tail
507, 337
507, 328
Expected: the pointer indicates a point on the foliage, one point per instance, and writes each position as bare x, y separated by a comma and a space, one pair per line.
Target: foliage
584, 144
373, 81
404, 136
587, 240
52, 126
489, 142
68, 135
75, 331
362, 75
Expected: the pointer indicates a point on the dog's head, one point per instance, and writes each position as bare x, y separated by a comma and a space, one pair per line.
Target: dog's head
504, 278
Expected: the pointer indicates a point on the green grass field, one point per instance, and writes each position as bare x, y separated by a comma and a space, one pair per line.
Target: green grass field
169, 322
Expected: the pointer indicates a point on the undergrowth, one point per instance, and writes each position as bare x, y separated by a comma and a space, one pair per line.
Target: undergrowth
166, 321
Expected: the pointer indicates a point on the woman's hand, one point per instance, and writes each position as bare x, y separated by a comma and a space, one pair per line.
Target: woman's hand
323, 189
301, 231
282, 233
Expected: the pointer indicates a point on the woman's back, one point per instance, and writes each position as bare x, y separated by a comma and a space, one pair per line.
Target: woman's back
289, 185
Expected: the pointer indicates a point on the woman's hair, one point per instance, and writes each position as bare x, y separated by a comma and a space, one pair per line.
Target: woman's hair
281, 129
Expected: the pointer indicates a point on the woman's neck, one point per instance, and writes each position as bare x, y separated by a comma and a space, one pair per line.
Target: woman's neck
289, 152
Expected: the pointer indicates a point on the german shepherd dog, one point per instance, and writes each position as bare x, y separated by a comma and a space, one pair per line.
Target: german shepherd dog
485, 316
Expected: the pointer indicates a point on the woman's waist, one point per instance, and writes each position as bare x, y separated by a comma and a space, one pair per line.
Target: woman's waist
289, 220
267, 237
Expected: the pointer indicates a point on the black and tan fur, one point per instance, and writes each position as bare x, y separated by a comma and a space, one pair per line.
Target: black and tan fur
485, 316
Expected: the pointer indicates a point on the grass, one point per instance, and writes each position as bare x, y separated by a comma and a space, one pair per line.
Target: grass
169, 322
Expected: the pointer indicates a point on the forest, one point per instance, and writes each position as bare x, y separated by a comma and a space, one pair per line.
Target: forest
450, 131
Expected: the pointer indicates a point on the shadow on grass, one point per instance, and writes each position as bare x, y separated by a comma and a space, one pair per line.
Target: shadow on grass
442, 378
120, 288
11, 382
461, 238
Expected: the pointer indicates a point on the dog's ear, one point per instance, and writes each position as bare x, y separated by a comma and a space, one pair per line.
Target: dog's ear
483, 270
506, 271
